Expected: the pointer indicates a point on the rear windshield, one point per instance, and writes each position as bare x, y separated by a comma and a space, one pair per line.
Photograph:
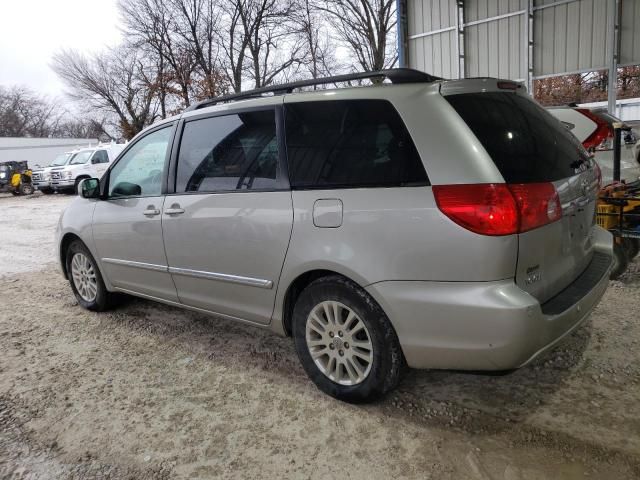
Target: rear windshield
526, 143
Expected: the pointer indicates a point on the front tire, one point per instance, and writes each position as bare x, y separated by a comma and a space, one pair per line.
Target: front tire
345, 342
86, 280
26, 189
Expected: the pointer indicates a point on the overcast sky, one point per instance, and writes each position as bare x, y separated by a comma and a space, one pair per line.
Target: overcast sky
31, 31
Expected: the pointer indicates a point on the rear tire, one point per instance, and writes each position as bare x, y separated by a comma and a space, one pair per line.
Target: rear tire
632, 246
345, 342
86, 280
620, 261
26, 189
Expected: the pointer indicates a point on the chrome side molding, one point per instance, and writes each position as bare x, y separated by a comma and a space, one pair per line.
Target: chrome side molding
223, 277
144, 266
186, 272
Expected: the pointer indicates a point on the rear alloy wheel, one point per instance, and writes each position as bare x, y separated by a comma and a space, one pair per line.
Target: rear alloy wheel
339, 343
345, 342
85, 279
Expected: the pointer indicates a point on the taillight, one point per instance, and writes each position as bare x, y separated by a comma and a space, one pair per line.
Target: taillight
498, 208
538, 204
602, 136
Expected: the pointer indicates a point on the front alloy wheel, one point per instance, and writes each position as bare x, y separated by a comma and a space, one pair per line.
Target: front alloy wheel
84, 277
86, 280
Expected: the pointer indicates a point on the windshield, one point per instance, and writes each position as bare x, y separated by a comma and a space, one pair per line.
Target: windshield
81, 157
60, 160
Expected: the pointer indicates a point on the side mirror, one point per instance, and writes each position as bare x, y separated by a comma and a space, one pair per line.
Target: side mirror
89, 188
126, 189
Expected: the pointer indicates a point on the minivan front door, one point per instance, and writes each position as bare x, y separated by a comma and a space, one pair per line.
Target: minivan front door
227, 227
127, 226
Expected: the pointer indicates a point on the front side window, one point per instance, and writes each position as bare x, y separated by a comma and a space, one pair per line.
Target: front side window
81, 157
350, 144
139, 171
230, 152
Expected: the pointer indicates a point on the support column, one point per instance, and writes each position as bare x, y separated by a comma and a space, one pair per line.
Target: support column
528, 46
613, 19
401, 25
460, 37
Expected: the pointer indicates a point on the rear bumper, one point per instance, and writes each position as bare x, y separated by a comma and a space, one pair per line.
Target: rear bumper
488, 325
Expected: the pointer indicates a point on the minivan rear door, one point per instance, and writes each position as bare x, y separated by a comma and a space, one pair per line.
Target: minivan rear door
528, 145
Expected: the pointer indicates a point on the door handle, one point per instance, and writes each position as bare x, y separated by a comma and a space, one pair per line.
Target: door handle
151, 211
175, 209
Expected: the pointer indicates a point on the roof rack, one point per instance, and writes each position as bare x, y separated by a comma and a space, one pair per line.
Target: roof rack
395, 75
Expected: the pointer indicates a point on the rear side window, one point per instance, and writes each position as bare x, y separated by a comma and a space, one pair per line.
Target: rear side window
354, 143
526, 142
230, 152
100, 157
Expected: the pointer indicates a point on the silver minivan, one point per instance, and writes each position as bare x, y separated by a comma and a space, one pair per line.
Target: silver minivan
423, 223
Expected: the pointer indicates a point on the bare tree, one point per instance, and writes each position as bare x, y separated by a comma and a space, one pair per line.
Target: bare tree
319, 55
152, 27
114, 81
365, 28
24, 113
258, 40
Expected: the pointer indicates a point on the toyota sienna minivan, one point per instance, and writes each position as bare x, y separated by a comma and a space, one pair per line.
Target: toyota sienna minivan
423, 223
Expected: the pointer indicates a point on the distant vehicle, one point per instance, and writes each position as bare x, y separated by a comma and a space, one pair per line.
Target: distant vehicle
594, 128
85, 163
41, 177
15, 177
428, 223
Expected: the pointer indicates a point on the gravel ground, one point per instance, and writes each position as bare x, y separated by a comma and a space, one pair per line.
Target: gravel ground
149, 391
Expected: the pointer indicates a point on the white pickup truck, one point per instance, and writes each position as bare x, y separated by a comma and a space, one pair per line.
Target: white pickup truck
85, 163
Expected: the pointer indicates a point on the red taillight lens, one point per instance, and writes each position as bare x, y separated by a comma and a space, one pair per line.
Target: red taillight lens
488, 209
497, 208
538, 204
602, 136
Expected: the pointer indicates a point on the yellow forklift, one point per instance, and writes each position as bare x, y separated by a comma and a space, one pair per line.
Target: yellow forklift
618, 210
15, 177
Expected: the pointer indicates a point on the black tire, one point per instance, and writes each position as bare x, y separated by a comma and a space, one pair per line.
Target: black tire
46, 191
104, 300
26, 189
76, 183
620, 261
632, 246
388, 361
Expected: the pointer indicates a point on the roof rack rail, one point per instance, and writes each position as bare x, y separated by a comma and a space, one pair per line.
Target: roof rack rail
395, 75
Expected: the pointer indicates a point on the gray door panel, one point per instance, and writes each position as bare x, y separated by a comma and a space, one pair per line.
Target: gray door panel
128, 237
226, 250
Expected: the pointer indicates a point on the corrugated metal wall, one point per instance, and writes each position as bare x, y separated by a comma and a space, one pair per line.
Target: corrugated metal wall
495, 48
568, 36
434, 53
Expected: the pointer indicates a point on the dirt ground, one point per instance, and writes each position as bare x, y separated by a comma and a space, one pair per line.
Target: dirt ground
148, 391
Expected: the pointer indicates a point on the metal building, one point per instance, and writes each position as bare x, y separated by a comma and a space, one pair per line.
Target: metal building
39, 151
519, 39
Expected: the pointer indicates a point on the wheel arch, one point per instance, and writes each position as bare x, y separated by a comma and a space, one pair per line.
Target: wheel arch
66, 240
300, 282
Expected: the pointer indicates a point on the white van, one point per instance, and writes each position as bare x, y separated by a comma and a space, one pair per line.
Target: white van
85, 163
